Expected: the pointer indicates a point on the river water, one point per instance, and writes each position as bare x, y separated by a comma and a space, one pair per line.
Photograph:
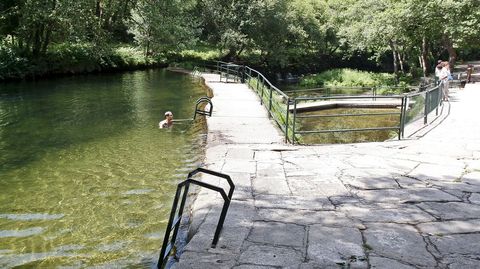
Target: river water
86, 177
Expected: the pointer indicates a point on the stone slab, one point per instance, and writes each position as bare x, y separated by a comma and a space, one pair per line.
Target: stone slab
382, 263
306, 217
462, 262
249, 266
277, 234
450, 227
240, 154
267, 169
269, 156
293, 202
371, 182
452, 210
271, 256
463, 244
328, 246
195, 260
239, 166
472, 178
437, 172
398, 242
475, 198
413, 195
402, 214
271, 185
311, 186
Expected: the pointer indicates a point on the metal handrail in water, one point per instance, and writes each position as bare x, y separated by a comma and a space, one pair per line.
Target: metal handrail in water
175, 219
207, 112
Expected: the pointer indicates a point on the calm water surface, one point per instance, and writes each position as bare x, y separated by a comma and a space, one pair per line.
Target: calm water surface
347, 122
86, 176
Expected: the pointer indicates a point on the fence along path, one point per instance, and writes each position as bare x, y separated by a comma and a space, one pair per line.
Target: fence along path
293, 205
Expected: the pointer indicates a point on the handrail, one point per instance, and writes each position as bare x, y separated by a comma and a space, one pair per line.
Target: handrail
279, 104
175, 219
203, 112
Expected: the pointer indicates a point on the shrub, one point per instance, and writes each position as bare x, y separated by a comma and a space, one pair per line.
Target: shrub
348, 78
12, 64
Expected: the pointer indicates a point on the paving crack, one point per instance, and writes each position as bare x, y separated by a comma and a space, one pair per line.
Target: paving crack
285, 174
437, 256
366, 248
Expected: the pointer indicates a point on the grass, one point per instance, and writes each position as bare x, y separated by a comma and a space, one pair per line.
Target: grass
346, 77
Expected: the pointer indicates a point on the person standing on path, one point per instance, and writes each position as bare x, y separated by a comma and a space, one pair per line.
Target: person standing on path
445, 76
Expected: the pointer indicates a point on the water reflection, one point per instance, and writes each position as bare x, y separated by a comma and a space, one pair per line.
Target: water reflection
86, 176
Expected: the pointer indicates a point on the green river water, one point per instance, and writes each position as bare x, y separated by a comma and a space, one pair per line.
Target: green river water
86, 177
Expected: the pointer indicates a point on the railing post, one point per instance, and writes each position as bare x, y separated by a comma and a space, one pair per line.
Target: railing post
270, 101
227, 73
263, 87
167, 239
258, 82
286, 120
180, 209
220, 223
294, 119
402, 123
425, 112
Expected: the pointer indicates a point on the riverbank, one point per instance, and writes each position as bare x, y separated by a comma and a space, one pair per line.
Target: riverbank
406, 204
73, 59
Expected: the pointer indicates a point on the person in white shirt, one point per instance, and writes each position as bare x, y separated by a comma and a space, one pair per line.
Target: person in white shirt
444, 76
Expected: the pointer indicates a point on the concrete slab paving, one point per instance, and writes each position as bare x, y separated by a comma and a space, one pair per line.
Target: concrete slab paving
451, 210
342, 246
413, 203
381, 263
277, 234
398, 242
271, 256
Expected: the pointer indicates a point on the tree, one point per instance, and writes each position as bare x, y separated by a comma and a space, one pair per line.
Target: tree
162, 25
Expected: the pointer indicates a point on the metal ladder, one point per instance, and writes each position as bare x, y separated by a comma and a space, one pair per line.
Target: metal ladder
175, 218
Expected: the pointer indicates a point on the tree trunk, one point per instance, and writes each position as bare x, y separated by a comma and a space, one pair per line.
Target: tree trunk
452, 54
399, 56
46, 41
394, 54
424, 57
37, 40
420, 62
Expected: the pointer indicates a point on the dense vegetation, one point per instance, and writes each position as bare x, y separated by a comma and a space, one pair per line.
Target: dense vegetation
407, 36
348, 78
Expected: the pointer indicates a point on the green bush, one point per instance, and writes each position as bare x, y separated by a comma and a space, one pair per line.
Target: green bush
12, 64
68, 58
348, 78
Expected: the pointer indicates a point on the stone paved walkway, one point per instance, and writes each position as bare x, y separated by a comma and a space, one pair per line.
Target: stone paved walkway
400, 204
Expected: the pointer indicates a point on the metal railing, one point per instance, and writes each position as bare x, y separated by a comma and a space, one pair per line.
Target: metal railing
283, 107
207, 111
176, 215
371, 101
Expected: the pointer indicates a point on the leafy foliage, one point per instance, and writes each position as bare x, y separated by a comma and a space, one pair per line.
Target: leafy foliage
275, 34
348, 78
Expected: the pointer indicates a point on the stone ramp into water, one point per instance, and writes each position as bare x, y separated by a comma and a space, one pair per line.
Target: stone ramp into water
238, 117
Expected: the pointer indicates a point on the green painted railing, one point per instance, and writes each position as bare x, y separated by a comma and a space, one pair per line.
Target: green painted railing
284, 108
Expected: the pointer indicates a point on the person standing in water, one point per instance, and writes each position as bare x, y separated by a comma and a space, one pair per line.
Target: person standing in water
167, 122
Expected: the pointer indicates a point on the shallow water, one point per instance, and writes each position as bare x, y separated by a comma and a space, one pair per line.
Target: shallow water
86, 176
347, 122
